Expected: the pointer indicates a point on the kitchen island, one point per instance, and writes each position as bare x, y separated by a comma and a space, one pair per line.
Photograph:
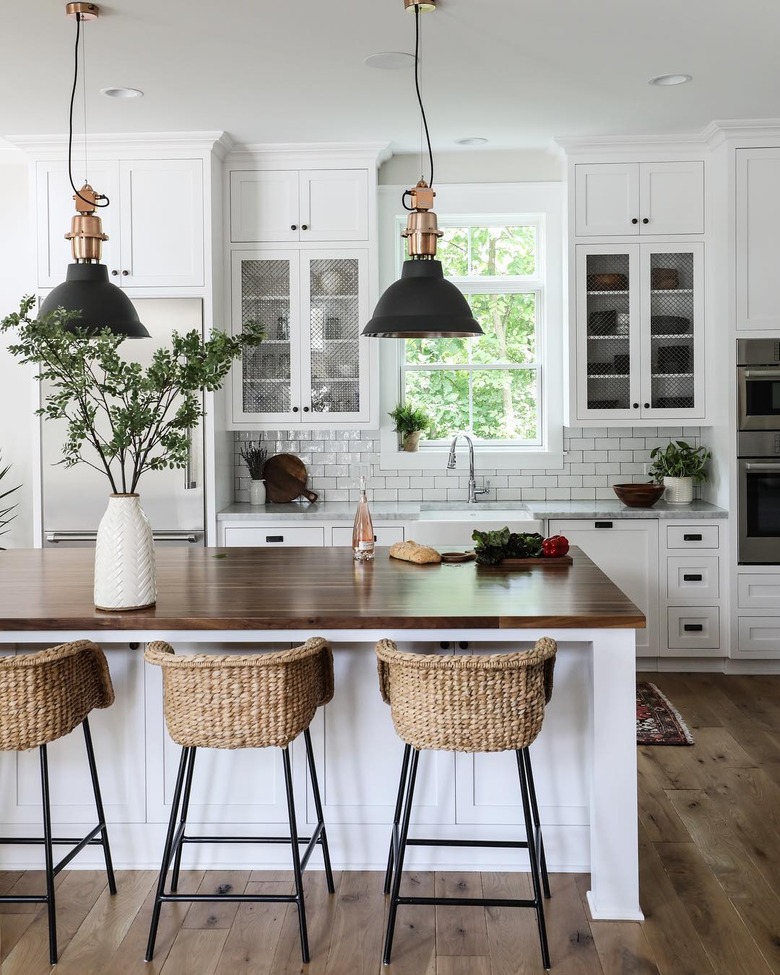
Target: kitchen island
585, 757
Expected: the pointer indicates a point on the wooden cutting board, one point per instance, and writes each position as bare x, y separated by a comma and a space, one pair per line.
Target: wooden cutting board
285, 479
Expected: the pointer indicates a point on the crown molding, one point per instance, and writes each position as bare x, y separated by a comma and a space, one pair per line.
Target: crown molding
296, 153
55, 146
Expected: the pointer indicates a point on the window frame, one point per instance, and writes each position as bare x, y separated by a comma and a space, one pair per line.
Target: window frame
482, 205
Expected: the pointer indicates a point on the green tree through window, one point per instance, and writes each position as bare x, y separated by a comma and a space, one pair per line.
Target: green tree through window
488, 386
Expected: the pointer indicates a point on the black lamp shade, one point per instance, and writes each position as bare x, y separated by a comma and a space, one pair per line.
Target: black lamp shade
422, 304
102, 305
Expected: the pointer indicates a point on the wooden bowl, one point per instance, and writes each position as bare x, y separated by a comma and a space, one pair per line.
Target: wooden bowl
638, 495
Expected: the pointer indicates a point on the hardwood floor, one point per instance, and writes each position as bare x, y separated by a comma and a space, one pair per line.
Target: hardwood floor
709, 819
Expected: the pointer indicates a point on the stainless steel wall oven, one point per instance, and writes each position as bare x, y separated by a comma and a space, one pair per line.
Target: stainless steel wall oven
758, 451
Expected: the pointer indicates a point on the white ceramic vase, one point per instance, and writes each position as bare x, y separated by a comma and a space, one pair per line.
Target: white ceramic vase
125, 570
257, 492
679, 490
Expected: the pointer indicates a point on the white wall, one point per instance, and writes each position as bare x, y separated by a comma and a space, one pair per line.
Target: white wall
17, 424
477, 166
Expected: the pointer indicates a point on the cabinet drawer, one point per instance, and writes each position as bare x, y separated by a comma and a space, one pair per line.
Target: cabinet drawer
692, 577
275, 535
693, 628
759, 591
383, 534
759, 636
698, 536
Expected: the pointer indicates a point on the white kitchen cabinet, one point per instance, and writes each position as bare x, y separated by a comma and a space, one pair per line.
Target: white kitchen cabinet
756, 630
383, 534
757, 250
155, 221
627, 551
313, 369
275, 206
627, 199
691, 570
273, 533
639, 332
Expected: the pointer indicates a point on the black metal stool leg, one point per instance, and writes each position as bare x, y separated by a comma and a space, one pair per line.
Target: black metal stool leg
167, 852
48, 855
185, 806
99, 806
315, 788
397, 817
399, 864
535, 872
296, 857
539, 839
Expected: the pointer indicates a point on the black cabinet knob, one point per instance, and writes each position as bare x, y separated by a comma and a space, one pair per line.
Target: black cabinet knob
114, 272
647, 406
293, 226
306, 409
645, 220
635, 406
635, 220
304, 226
295, 409
125, 273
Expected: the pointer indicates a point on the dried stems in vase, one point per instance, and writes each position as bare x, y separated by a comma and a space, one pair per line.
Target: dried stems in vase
254, 457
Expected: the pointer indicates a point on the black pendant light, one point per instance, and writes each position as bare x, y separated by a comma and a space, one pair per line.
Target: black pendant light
422, 304
86, 289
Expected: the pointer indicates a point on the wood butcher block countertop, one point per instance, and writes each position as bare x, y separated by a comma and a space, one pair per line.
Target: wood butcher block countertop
302, 588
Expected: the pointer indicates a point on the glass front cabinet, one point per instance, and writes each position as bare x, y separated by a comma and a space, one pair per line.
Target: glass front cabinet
639, 332
312, 367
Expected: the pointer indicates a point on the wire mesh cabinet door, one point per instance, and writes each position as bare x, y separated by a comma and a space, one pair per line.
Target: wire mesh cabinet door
265, 288
334, 359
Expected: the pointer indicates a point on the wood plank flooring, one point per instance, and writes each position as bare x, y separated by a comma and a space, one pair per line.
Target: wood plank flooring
709, 819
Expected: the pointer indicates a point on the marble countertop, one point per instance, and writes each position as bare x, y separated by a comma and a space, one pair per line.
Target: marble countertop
411, 510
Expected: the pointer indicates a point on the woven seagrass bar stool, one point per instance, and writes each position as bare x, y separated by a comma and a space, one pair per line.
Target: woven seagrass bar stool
469, 703
43, 697
242, 701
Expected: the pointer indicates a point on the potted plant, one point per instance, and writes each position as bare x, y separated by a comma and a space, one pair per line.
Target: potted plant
123, 419
678, 465
6, 512
409, 422
254, 457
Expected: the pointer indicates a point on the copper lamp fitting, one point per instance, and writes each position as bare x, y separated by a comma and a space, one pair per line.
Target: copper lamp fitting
425, 5
86, 229
85, 11
422, 229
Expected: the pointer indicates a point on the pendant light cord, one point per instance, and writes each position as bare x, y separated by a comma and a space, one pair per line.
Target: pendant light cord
419, 99
103, 197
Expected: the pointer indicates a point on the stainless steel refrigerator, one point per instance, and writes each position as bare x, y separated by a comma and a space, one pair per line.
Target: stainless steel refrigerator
75, 498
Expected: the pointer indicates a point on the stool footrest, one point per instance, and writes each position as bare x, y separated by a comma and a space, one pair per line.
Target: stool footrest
237, 898
470, 901
491, 844
77, 842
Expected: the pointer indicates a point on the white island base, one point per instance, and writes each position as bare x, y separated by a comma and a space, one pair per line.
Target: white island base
584, 767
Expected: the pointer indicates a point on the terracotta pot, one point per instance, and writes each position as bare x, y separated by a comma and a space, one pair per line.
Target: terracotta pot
412, 440
125, 569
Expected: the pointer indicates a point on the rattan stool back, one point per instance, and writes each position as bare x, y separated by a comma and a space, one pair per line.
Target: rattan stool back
243, 701
467, 703
45, 695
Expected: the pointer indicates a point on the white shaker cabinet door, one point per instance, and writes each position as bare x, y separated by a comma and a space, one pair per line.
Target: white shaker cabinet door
757, 251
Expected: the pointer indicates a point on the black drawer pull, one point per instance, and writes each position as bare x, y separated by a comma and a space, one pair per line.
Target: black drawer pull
274, 538
693, 538
693, 627
602, 524
692, 577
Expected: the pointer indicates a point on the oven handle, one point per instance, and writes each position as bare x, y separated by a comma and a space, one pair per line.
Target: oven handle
762, 373
765, 467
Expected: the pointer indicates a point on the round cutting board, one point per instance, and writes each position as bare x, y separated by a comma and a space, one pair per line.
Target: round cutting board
285, 479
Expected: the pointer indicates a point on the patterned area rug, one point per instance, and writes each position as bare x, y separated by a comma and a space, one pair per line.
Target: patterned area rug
657, 720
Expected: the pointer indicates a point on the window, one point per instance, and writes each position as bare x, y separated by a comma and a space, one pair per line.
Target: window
488, 386
503, 248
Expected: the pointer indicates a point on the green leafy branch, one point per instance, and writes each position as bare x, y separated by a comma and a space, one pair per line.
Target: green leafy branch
122, 419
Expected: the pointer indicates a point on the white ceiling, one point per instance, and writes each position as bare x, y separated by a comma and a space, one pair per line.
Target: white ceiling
517, 72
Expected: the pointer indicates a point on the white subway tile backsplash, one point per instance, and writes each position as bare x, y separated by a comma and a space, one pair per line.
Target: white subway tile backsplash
594, 458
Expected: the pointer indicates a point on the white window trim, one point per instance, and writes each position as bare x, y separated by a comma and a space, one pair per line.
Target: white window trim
485, 201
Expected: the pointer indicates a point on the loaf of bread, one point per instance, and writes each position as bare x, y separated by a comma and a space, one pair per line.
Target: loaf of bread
411, 551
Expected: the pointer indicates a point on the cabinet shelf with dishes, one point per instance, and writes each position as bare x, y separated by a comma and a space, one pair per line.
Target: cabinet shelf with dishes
639, 331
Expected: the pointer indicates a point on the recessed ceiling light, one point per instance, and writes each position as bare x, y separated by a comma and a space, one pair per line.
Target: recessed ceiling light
664, 80
389, 60
121, 92
472, 140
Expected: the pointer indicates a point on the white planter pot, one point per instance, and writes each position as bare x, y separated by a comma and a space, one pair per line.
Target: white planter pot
125, 570
257, 492
679, 490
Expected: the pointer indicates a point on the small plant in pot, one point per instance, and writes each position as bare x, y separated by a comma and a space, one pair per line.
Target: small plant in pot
678, 465
254, 457
410, 421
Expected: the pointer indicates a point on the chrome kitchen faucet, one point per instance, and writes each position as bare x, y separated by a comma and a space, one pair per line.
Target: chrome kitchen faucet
473, 491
